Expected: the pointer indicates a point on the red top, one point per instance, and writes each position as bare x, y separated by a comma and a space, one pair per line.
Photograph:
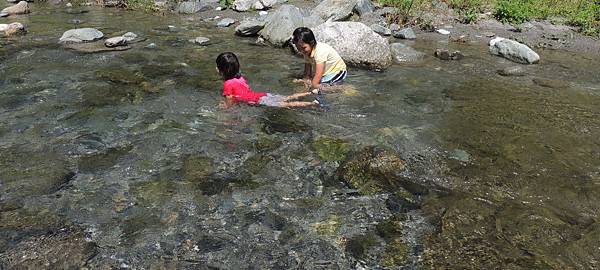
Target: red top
240, 91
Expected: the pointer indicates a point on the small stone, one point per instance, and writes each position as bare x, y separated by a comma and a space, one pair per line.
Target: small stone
443, 31
226, 22
394, 27
447, 55
151, 46
489, 34
200, 41
263, 13
512, 71
129, 36
406, 33
218, 8
20, 8
13, 28
76, 21
69, 5
381, 30
115, 41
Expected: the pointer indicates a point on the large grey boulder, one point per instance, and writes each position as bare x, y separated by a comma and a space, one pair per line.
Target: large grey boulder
405, 54
81, 35
363, 7
514, 51
336, 10
191, 7
356, 43
250, 27
282, 23
20, 8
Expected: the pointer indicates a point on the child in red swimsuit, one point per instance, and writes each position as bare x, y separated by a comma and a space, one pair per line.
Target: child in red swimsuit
235, 88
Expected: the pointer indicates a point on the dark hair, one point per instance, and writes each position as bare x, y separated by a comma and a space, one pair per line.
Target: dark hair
228, 65
305, 35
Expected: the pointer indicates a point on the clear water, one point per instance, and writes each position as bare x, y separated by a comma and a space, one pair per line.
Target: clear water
130, 150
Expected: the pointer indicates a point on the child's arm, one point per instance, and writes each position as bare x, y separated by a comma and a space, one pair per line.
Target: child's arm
228, 102
319, 70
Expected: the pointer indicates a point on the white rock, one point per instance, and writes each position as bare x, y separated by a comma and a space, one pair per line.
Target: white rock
129, 36
443, 31
200, 40
514, 51
115, 41
263, 13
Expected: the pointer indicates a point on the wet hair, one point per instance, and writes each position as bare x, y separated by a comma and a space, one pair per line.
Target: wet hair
305, 35
228, 65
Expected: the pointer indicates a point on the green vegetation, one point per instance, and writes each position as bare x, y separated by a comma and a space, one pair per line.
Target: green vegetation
582, 13
226, 3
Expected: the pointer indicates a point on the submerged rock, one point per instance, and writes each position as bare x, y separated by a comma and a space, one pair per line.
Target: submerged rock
447, 55
551, 83
513, 71
95, 47
331, 149
282, 120
20, 8
405, 33
197, 167
115, 41
514, 51
372, 171
80, 35
405, 54
64, 249
356, 43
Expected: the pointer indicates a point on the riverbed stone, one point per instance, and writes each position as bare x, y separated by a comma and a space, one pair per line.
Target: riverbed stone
382, 30
250, 27
513, 71
279, 120
226, 22
403, 53
356, 43
94, 47
363, 7
11, 29
81, 35
551, 83
245, 5
446, 55
372, 170
331, 149
64, 249
200, 41
405, 33
513, 50
283, 22
115, 41
20, 8
197, 166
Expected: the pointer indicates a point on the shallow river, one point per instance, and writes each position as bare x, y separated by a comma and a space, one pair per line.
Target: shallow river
123, 160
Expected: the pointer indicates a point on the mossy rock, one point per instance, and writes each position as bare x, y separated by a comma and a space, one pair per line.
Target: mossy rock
135, 224
279, 120
402, 201
331, 149
396, 254
391, 228
358, 246
372, 170
154, 193
118, 75
196, 167
266, 144
330, 226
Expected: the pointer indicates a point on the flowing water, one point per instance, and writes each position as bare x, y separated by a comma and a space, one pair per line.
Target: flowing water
123, 159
